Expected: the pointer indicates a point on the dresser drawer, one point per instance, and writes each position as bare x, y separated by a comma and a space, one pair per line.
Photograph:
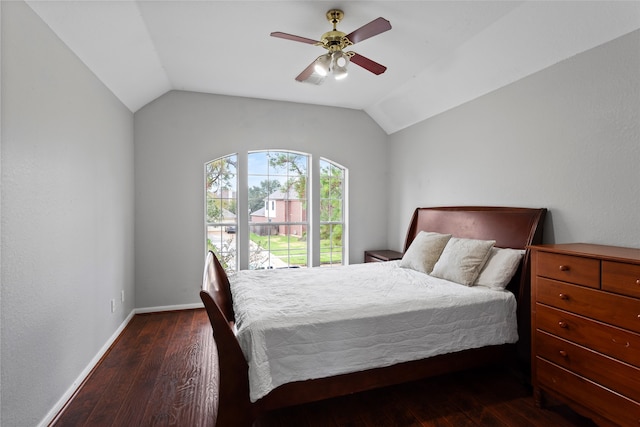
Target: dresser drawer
604, 370
615, 342
621, 278
569, 268
601, 400
614, 309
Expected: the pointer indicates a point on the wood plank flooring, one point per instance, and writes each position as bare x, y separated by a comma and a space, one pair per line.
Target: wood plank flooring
162, 372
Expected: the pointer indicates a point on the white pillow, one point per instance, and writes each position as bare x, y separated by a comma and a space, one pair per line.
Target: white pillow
499, 268
424, 251
462, 259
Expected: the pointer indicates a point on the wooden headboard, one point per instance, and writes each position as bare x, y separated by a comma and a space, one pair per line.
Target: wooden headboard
515, 228
510, 227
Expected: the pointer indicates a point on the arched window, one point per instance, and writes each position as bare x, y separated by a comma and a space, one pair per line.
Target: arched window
295, 210
332, 212
221, 203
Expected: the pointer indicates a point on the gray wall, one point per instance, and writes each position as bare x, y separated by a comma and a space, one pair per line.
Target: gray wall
178, 133
566, 138
67, 216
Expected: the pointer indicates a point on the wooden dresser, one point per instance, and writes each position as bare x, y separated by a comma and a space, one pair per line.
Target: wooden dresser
586, 329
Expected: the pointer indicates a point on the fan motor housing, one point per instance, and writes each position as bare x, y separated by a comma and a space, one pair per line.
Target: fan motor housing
335, 40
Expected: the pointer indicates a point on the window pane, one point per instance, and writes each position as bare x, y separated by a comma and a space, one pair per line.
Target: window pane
277, 246
330, 210
331, 244
259, 163
223, 244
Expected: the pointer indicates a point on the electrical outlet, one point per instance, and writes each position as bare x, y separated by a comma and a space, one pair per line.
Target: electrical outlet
122, 295
113, 306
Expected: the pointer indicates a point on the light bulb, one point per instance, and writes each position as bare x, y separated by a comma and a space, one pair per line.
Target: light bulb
339, 65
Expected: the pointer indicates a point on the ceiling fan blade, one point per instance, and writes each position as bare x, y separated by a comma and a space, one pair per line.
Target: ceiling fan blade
308, 75
371, 29
293, 38
368, 64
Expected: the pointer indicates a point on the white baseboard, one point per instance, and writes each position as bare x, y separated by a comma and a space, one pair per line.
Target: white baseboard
87, 370
168, 308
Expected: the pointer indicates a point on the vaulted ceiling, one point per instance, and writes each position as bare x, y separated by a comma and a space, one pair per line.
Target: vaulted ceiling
439, 54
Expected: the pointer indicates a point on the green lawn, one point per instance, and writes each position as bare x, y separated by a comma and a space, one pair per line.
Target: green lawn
296, 248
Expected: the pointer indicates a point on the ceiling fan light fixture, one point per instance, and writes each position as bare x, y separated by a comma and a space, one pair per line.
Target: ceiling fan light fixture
340, 73
340, 59
339, 65
322, 65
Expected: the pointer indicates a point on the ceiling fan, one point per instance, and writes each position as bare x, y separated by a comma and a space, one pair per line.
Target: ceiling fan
335, 61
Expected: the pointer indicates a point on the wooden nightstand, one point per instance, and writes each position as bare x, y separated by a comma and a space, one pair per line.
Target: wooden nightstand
382, 255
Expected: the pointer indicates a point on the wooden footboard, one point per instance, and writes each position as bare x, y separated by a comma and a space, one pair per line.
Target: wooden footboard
234, 406
510, 227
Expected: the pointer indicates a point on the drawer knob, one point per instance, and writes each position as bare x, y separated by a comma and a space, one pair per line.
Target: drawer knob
563, 353
564, 296
638, 282
563, 324
564, 268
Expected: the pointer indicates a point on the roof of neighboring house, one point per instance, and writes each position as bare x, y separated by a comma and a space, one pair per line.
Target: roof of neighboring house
259, 212
292, 194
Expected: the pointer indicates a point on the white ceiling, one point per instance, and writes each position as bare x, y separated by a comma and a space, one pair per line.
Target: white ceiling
439, 54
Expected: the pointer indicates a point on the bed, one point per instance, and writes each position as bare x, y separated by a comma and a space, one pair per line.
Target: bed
243, 395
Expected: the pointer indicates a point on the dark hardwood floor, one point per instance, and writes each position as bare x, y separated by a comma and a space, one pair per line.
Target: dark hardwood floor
162, 372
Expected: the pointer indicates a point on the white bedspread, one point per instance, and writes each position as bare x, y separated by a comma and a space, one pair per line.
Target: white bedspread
299, 324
